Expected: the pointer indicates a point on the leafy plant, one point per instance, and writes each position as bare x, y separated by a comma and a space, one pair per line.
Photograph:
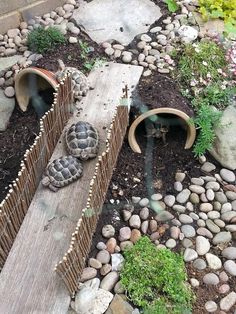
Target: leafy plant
172, 5
41, 40
84, 49
201, 62
225, 9
205, 120
155, 279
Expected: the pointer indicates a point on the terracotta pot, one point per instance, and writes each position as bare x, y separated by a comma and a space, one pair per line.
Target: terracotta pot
29, 81
191, 131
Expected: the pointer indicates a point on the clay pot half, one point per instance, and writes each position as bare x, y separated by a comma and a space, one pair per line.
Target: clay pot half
191, 131
31, 80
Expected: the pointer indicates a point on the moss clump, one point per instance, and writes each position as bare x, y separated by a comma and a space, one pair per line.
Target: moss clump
156, 279
41, 40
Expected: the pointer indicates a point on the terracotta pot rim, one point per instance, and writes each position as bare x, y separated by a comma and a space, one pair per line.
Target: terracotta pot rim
191, 131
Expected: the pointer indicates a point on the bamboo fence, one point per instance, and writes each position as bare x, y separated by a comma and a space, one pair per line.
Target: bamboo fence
71, 266
15, 205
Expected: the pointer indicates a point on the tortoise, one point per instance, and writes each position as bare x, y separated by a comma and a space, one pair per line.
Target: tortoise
62, 171
82, 140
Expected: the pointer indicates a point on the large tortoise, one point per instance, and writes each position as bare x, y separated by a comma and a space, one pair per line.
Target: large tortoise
82, 140
62, 171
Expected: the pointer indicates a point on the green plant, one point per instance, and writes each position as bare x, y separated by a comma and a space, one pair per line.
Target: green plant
225, 9
203, 61
41, 40
205, 120
172, 5
215, 94
84, 49
155, 278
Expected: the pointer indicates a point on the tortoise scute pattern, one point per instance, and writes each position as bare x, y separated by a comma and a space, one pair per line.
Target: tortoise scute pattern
82, 140
64, 170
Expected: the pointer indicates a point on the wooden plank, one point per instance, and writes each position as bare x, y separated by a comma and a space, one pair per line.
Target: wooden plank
28, 283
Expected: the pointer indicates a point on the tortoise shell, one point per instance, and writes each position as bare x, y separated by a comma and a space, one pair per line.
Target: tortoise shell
64, 170
82, 140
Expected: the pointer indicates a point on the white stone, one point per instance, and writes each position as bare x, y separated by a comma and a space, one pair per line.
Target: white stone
73, 40
190, 255
227, 302
227, 175
210, 306
202, 245
230, 267
109, 281
7, 106
213, 261
117, 261
108, 231
118, 20
188, 32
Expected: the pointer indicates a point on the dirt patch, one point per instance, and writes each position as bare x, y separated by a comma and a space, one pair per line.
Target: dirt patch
18, 137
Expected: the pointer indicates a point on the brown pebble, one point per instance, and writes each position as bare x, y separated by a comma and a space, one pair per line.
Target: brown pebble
111, 244
155, 236
105, 269
135, 235
153, 226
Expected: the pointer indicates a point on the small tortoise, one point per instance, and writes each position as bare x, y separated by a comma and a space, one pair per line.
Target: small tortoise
82, 140
62, 171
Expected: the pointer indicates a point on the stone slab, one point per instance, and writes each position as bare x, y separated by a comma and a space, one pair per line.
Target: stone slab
7, 106
120, 20
8, 21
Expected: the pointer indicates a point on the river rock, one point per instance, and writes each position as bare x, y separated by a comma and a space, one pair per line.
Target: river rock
208, 167
135, 235
222, 237
213, 261
194, 198
144, 202
111, 244
119, 306
202, 245
171, 243
109, 281
117, 261
144, 226
228, 216
230, 195
230, 267
227, 302
227, 175
185, 219
103, 256
221, 197
197, 189
229, 252
188, 231
88, 273
179, 208
108, 231
124, 233
204, 232
210, 195
180, 176
144, 213
210, 306
183, 196
169, 200
163, 216
174, 232
190, 255
199, 264
93, 262
212, 226
135, 221
197, 181
206, 207
187, 33
211, 279
213, 214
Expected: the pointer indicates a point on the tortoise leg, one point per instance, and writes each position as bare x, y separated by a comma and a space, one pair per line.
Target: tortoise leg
53, 188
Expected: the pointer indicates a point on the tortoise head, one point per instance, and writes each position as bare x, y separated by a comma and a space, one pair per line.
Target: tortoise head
45, 181
84, 156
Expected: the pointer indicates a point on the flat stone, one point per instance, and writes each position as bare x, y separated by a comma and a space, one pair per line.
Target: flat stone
213, 214
118, 20
227, 302
156, 197
208, 167
179, 208
231, 228
230, 267
199, 264
93, 262
227, 175
190, 255
230, 195
220, 223
7, 106
188, 231
210, 306
210, 195
105, 269
211, 279
194, 216
228, 216
229, 252
119, 306
119, 288
187, 243
222, 237
109, 281
7, 62
213, 261
221, 197
206, 207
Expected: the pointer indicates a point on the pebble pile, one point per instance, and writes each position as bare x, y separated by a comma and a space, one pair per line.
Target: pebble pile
199, 220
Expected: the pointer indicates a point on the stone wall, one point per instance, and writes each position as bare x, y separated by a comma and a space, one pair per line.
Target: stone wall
12, 12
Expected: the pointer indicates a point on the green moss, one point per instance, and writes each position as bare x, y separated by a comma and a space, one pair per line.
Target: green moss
155, 278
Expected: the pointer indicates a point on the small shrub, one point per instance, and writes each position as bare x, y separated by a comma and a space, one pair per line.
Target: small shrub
41, 40
155, 279
205, 120
201, 63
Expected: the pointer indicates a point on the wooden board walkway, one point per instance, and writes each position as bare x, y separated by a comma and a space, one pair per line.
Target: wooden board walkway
28, 283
